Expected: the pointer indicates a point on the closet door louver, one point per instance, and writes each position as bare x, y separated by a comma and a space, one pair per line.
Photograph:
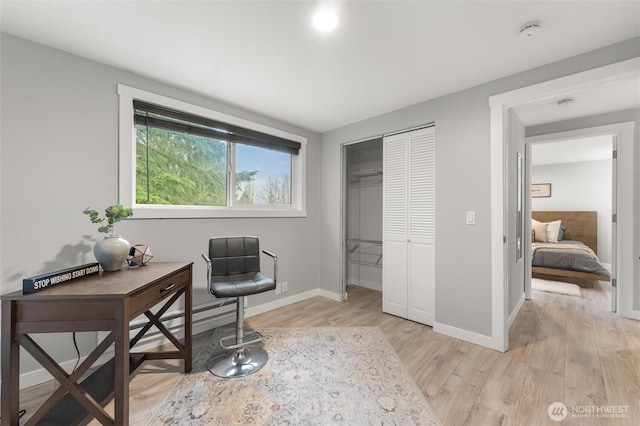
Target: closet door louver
422, 203
394, 239
422, 183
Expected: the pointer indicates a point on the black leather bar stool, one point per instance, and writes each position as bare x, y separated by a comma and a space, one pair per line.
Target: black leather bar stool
233, 270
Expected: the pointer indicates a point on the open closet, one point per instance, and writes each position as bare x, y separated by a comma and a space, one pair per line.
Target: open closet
363, 215
389, 221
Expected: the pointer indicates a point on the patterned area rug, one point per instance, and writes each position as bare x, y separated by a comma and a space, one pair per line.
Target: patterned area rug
315, 376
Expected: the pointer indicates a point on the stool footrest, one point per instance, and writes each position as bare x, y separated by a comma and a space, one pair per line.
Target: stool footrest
245, 343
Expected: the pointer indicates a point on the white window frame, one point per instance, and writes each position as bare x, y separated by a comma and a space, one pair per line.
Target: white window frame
127, 165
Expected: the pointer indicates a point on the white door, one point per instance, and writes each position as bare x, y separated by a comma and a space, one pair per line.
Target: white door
421, 239
394, 239
408, 278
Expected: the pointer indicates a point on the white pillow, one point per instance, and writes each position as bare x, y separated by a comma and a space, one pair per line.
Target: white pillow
540, 232
552, 231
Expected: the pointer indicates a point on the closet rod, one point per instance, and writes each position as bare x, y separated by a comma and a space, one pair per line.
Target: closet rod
411, 129
367, 139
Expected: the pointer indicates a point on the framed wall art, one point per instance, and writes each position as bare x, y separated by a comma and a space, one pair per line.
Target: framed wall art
540, 190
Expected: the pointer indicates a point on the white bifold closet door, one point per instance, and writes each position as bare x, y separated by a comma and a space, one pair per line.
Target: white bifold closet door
408, 276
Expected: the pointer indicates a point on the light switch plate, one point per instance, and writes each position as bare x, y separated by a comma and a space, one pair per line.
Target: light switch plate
471, 218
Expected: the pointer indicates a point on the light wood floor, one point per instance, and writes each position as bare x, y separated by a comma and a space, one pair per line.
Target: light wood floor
563, 348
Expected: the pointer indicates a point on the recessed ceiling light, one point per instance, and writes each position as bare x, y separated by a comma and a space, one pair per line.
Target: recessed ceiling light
325, 21
566, 102
530, 29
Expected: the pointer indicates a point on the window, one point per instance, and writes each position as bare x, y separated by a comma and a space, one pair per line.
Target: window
181, 160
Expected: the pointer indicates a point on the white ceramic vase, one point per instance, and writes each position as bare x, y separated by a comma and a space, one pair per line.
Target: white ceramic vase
111, 252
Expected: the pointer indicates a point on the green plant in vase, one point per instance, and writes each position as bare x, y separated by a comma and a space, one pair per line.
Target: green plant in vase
113, 250
113, 214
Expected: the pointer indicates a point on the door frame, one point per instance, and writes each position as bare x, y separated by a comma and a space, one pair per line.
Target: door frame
499, 105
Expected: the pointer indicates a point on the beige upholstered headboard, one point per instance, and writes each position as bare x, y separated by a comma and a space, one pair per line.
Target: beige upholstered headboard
581, 226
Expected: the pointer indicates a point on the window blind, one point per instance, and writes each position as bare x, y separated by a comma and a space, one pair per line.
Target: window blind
151, 115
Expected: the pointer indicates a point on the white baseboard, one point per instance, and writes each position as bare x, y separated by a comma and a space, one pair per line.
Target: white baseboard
467, 336
633, 315
515, 311
36, 377
329, 295
270, 306
202, 322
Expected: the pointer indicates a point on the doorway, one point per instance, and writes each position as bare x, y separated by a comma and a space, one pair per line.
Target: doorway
575, 179
501, 107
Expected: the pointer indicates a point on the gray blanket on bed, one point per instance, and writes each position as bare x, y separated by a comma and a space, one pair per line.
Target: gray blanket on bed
568, 259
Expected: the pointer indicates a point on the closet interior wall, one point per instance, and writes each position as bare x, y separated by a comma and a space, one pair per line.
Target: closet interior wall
364, 214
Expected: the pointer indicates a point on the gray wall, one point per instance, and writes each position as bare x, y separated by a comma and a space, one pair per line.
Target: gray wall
59, 154
463, 293
603, 120
583, 186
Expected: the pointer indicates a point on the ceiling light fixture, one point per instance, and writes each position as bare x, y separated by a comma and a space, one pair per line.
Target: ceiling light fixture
566, 102
530, 29
325, 21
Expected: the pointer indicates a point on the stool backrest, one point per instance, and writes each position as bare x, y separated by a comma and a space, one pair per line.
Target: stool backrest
234, 255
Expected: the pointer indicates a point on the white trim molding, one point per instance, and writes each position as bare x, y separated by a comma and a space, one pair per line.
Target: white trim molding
516, 310
466, 335
266, 307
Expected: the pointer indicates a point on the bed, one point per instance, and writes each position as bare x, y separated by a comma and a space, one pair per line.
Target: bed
573, 259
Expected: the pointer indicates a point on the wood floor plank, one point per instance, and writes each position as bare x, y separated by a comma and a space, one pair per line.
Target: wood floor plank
540, 390
549, 350
461, 390
483, 415
504, 385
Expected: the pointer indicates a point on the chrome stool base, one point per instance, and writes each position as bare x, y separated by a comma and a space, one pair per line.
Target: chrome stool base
239, 363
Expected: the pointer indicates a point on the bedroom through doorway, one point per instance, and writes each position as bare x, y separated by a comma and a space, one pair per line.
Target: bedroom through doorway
572, 207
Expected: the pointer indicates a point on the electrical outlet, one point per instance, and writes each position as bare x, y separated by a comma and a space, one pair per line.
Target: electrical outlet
285, 287
278, 288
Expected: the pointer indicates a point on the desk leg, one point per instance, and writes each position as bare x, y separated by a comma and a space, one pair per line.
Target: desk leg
121, 380
10, 365
188, 327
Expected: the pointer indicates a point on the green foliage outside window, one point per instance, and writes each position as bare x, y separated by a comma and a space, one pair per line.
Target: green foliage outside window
174, 168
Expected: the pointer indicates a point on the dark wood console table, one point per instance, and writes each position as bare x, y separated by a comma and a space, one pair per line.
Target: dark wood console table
106, 302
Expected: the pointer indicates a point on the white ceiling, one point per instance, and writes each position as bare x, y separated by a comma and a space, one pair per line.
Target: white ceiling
572, 151
616, 95
264, 56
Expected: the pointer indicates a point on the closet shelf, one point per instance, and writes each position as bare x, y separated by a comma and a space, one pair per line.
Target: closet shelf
372, 243
365, 173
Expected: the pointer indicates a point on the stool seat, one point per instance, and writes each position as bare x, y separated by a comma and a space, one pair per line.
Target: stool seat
241, 284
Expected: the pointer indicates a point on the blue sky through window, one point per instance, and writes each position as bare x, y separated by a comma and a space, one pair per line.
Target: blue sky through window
272, 182
268, 162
